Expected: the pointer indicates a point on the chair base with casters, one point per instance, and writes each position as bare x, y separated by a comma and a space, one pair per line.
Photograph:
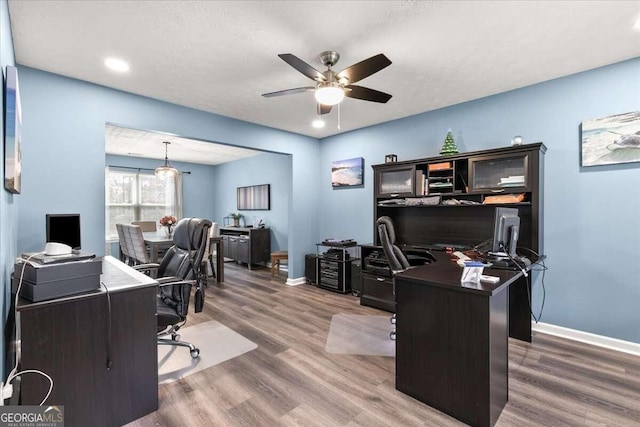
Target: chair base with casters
168, 316
392, 334
175, 340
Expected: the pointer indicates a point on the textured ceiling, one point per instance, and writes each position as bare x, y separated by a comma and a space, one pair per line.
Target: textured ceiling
123, 141
220, 56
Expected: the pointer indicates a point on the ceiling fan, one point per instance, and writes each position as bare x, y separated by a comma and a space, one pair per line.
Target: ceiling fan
332, 87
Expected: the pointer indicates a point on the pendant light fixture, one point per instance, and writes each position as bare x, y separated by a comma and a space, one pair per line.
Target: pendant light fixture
166, 170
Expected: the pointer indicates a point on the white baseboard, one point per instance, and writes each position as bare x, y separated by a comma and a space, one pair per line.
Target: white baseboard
297, 281
588, 338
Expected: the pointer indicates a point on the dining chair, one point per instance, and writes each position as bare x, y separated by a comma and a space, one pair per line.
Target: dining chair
135, 249
209, 252
146, 225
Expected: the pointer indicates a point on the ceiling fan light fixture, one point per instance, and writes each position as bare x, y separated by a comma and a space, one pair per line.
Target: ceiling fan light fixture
166, 170
329, 94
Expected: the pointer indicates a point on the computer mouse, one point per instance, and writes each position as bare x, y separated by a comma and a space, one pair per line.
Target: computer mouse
53, 248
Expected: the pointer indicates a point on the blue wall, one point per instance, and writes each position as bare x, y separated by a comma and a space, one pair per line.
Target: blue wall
63, 155
266, 168
591, 215
8, 201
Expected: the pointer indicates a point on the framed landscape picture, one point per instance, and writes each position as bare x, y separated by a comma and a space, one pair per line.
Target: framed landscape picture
347, 173
611, 140
12, 133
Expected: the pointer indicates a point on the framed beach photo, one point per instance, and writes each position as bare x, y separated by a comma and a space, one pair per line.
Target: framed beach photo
12, 133
611, 140
347, 173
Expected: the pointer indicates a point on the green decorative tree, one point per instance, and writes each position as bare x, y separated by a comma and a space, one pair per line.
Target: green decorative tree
449, 146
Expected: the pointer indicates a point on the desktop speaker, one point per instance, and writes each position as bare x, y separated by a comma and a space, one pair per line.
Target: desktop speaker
310, 266
356, 278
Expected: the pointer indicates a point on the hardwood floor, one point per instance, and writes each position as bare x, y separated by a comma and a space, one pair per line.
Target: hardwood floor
289, 380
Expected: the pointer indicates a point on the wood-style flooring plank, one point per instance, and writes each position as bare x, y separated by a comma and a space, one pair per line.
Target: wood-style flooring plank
289, 380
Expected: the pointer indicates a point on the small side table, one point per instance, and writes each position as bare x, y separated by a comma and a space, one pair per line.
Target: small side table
276, 258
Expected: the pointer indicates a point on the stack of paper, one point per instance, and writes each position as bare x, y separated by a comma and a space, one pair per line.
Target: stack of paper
512, 181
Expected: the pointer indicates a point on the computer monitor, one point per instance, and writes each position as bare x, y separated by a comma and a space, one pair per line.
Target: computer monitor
64, 228
506, 228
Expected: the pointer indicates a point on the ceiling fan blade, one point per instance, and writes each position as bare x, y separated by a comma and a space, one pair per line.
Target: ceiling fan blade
366, 94
303, 67
324, 109
289, 91
364, 68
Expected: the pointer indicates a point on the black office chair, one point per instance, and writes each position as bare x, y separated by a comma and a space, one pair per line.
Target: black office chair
398, 261
395, 257
177, 273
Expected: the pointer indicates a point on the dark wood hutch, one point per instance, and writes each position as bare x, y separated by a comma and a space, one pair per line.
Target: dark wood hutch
459, 186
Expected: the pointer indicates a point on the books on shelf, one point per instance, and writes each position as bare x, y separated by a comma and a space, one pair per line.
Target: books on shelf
420, 182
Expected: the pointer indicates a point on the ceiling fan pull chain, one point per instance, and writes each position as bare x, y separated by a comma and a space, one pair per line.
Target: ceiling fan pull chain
338, 116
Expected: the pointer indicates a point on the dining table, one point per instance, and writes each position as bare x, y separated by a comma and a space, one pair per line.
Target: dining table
159, 241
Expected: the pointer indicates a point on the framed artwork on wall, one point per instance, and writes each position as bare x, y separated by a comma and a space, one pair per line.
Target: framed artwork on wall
254, 198
12, 133
611, 140
347, 173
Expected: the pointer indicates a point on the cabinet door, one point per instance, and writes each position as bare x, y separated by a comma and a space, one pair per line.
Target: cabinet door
395, 181
226, 246
378, 292
502, 173
243, 247
233, 247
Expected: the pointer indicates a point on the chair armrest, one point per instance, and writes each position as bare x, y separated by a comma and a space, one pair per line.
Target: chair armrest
148, 269
179, 282
168, 279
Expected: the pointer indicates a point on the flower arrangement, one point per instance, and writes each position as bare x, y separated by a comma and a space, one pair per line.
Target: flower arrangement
168, 221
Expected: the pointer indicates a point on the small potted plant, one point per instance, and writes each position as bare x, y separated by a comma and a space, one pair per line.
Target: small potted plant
168, 222
236, 218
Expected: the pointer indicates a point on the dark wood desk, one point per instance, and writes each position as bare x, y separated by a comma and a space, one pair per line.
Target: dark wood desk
452, 340
67, 338
158, 241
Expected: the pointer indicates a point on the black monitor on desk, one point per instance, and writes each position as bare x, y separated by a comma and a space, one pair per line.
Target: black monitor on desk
64, 228
506, 228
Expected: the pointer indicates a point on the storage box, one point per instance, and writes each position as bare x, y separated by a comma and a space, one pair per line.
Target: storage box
439, 166
44, 282
42, 273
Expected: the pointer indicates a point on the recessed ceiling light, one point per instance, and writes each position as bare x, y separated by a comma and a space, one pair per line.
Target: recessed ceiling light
116, 64
317, 123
